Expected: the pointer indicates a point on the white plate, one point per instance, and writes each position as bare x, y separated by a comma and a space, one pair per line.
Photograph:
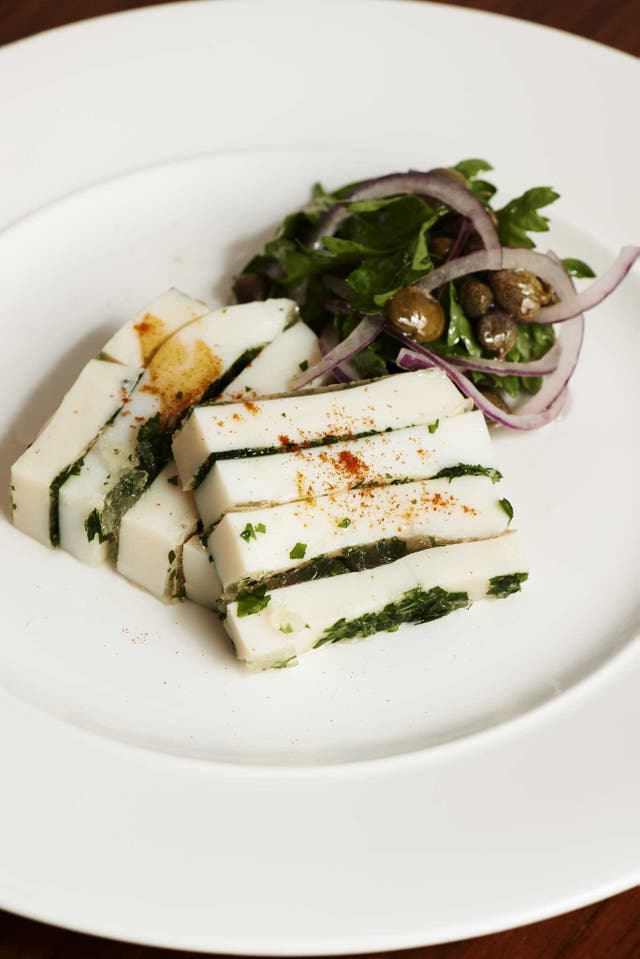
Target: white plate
421, 786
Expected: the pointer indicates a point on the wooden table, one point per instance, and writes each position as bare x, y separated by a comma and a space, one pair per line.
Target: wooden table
607, 930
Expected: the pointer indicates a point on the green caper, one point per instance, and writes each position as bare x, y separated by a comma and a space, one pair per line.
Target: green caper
474, 243
417, 314
475, 297
496, 399
450, 224
549, 296
518, 291
497, 332
441, 246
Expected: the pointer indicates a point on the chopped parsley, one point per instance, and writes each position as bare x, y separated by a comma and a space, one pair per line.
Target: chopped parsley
172, 555
304, 366
433, 426
105, 523
153, 445
249, 532
415, 606
93, 528
251, 601
502, 586
507, 507
284, 663
466, 469
298, 551
54, 498
173, 480
344, 522
286, 628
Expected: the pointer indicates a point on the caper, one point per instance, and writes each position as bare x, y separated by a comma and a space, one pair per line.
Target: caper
475, 297
496, 399
475, 242
518, 291
417, 314
497, 332
441, 246
549, 296
450, 223
248, 287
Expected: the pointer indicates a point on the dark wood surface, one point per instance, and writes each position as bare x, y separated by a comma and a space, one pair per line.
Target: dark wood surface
606, 930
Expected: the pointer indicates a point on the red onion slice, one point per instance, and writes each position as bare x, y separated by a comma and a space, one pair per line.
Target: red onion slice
547, 403
455, 269
366, 331
570, 338
448, 192
542, 367
409, 359
598, 291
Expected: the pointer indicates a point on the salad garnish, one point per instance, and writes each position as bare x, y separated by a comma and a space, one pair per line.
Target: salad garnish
415, 270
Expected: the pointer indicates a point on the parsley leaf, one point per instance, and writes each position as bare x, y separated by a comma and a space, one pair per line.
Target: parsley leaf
577, 268
520, 216
248, 533
460, 330
298, 551
467, 469
507, 507
251, 601
470, 170
502, 586
415, 606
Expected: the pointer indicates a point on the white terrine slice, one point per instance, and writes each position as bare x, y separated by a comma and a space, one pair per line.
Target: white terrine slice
97, 394
273, 629
153, 532
275, 365
201, 581
131, 451
416, 452
217, 431
360, 526
137, 341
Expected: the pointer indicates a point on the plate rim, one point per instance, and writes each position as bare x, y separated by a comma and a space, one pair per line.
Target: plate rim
589, 685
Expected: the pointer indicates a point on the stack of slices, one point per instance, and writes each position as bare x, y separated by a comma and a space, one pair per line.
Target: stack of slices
303, 518
92, 478
339, 512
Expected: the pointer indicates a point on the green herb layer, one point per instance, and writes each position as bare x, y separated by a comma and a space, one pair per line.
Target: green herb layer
54, 499
416, 606
502, 586
466, 469
349, 560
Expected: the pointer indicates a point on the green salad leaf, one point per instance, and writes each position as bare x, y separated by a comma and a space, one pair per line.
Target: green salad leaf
520, 216
384, 245
578, 268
